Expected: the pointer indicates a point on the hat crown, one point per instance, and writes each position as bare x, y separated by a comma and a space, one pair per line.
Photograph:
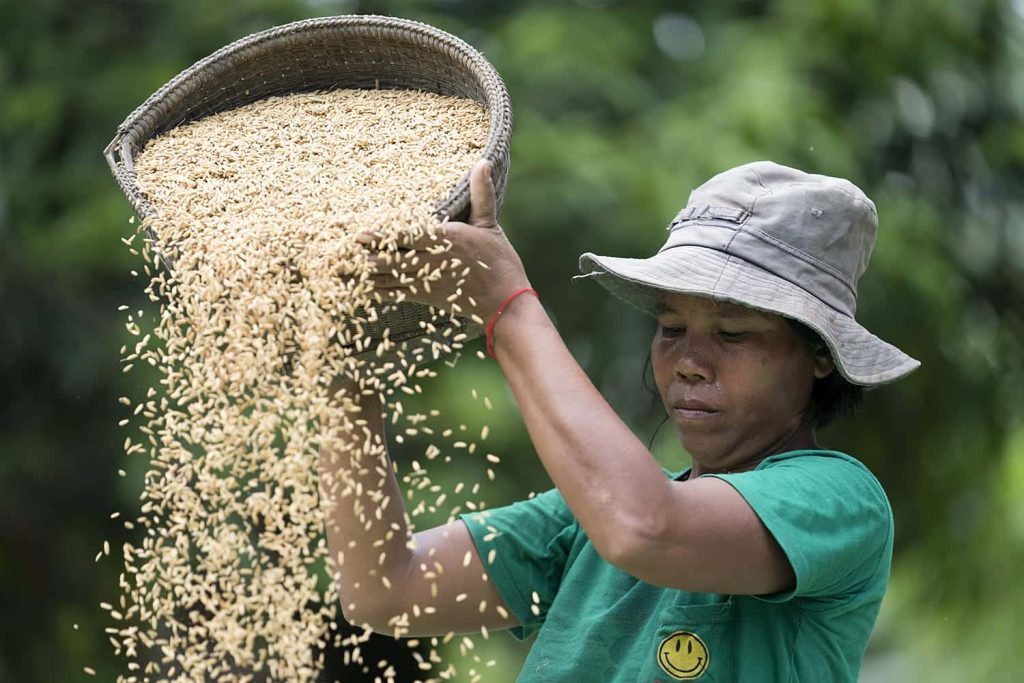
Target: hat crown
813, 230
777, 240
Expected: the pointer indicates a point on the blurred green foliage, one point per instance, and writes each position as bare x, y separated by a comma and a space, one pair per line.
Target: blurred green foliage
621, 108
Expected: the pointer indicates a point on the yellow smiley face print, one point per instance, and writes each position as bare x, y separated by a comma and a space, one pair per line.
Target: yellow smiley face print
683, 656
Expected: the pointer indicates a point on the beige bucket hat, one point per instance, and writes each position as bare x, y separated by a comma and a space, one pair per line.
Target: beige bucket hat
776, 239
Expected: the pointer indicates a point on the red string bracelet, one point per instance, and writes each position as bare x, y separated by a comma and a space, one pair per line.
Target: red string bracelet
489, 330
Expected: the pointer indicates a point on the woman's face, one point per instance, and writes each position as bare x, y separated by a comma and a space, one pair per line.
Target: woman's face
736, 382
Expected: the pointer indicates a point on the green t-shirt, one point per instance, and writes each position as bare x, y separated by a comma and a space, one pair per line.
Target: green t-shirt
597, 623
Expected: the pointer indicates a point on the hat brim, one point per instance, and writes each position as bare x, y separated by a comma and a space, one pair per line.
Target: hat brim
861, 357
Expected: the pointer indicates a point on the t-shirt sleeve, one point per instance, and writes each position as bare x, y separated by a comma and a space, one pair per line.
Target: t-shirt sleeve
525, 547
831, 518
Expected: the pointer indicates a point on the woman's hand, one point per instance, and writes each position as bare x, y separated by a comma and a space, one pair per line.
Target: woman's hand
466, 268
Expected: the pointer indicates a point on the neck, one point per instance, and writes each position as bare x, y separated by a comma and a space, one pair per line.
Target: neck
802, 437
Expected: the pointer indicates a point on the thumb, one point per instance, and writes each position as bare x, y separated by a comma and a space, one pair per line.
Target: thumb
482, 203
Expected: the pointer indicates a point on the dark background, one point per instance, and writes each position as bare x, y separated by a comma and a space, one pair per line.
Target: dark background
621, 109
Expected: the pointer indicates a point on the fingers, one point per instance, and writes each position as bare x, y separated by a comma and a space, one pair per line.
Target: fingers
482, 214
482, 203
409, 270
435, 238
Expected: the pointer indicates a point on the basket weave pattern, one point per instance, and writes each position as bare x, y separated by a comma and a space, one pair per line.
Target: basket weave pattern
357, 51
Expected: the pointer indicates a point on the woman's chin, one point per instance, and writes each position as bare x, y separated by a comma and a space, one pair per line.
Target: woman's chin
702, 447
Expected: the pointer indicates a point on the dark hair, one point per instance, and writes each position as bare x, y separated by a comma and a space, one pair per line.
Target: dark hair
648, 380
832, 395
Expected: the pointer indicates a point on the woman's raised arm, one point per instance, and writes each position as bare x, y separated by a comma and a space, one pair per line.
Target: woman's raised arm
429, 583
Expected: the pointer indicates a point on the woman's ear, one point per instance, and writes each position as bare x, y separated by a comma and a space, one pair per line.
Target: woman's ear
823, 363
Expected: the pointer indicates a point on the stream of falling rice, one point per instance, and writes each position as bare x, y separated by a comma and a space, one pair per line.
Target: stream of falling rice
256, 208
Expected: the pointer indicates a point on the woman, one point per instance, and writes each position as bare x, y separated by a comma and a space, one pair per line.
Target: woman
768, 559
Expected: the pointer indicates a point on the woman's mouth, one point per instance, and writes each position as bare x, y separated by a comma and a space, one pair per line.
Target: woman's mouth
691, 414
694, 410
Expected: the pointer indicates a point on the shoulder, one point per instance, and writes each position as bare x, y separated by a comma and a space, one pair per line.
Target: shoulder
534, 520
829, 481
837, 473
815, 458
829, 514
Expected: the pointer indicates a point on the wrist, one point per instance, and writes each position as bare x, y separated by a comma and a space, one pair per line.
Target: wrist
517, 303
497, 294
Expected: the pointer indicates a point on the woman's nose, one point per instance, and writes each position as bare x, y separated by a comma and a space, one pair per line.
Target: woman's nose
694, 362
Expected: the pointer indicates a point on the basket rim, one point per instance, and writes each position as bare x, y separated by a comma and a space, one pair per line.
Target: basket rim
139, 124
119, 153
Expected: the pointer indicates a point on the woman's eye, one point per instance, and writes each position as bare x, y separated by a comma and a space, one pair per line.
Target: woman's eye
732, 335
669, 331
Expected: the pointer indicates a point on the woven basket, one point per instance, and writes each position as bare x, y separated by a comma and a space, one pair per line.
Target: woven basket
357, 51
